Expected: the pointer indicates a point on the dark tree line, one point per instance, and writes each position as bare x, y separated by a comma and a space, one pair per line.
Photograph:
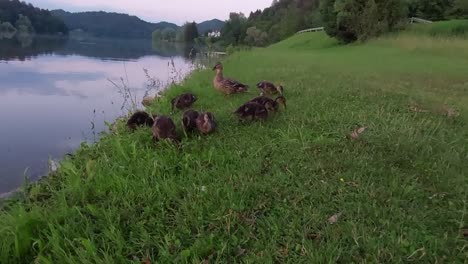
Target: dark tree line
347, 20
438, 9
111, 25
42, 21
282, 19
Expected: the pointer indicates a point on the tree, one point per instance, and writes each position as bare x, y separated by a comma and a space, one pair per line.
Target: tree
460, 9
431, 9
7, 27
7, 30
23, 24
168, 34
157, 35
234, 30
351, 20
39, 20
180, 35
190, 32
256, 37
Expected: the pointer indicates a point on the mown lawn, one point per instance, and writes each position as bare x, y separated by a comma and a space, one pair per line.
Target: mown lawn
263, 192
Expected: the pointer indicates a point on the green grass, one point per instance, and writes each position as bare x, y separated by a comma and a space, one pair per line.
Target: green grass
262, 193
451, 28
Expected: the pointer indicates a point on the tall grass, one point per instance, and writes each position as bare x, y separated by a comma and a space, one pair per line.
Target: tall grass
262, 192
451, 28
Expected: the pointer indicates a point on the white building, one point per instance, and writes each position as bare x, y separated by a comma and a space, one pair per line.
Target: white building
214, 34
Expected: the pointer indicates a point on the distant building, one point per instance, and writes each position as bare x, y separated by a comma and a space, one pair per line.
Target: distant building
214, 34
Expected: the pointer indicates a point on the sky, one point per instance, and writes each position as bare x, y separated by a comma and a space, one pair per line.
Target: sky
175, 11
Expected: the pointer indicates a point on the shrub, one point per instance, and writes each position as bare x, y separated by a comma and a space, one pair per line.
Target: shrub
256, 37
351, 20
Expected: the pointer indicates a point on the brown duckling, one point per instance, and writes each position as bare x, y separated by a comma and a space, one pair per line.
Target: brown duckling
189, 120
183, 101
226, 85
164, 128
139, 119
206, 123
269, 88
270, 104
253, 111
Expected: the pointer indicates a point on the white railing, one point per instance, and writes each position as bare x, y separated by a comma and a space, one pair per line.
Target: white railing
419, 20
214, 53
311, 30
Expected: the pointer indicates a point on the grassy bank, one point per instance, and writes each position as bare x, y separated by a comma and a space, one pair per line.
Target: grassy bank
262, 193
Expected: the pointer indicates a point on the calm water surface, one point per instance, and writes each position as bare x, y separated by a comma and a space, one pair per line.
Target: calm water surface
55, 94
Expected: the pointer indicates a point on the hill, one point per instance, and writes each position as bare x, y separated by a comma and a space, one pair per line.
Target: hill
104, 24
41, 21
210, 25
235, 197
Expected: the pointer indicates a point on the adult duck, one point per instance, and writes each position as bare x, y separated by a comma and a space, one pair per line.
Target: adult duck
226, 85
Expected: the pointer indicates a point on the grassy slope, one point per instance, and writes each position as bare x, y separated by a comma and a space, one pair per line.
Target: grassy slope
263, 192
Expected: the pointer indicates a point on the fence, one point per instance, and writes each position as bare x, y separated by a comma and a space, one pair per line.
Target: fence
419, 20
311, 30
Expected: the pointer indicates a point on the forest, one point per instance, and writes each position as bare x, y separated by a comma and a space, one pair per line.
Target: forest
27, 18
111, 25
286, 17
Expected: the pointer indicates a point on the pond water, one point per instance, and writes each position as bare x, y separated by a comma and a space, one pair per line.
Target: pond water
57, 93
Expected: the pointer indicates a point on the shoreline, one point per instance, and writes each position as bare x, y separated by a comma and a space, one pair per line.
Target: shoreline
235, 195
54, 165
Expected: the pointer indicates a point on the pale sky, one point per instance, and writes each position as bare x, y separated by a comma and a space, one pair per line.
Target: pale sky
175, 11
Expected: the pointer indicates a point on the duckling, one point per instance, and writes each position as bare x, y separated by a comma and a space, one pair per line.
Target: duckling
206, 123
183, 101
189, 120
139, 119
252, 110
164, 128
269, 88
226, 85
270, 104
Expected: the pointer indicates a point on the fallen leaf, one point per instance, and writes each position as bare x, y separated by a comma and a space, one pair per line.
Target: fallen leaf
450, 112
146, 261
357, 133
241, 252
414, 107
334, 218
284, 251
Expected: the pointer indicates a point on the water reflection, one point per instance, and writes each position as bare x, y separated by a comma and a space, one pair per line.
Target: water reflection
24, 47
55, 93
